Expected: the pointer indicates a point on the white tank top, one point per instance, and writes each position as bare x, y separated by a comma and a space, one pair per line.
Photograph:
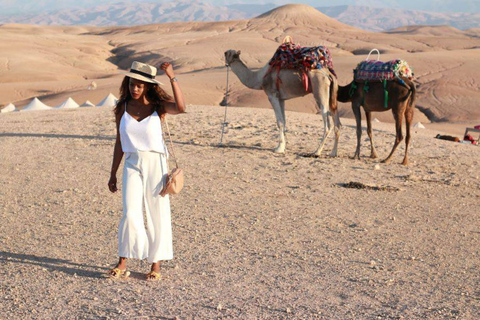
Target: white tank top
145, 135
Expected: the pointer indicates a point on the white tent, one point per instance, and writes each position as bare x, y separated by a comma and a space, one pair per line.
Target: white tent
109, 101
87, 104
9, 108
36, 104
419, 125
68, 104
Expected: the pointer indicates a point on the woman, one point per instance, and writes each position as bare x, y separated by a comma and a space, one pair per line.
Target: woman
139, 135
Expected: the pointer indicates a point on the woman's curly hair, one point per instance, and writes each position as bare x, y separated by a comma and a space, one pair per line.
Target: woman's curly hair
155, 95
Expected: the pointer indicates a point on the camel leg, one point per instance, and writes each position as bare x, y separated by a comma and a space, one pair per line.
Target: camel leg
399, 136
373, 152
408, 121
277, 108
321, 93
284, 122
337, 125
358, 119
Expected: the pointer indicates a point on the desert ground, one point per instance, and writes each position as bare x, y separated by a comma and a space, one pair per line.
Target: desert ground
256, 234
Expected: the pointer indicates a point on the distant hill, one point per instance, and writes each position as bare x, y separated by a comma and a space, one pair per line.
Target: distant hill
466, 6
128, 14
8, 7
149, 12
382, 19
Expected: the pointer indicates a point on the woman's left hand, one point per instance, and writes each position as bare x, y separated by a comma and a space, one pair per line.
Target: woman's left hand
168, 69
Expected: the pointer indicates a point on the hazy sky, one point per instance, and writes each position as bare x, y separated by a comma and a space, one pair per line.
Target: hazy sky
8, 7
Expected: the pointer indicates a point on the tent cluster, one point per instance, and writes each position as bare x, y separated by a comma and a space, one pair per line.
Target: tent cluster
109, 101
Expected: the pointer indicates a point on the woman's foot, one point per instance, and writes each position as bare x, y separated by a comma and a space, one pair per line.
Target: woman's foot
154, 274
120, 270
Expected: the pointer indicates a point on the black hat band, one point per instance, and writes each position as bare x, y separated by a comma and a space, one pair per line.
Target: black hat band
142, 74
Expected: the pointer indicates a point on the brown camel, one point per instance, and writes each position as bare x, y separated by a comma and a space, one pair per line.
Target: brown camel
324, 89
371, 95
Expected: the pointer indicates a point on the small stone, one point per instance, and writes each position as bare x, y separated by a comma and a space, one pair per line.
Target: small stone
288, 310
377, 167
372, 263
95, 299
219, 307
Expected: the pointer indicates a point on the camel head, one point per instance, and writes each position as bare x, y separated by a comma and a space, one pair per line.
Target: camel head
232, 55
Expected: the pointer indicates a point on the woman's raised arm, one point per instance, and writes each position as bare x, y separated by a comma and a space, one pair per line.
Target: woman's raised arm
177, 106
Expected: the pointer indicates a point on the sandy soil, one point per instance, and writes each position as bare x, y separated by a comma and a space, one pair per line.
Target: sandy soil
256, 235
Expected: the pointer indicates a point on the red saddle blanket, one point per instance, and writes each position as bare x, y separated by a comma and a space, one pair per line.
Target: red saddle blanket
292, 56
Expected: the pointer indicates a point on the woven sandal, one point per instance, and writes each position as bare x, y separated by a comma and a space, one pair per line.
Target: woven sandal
153, 276
116, 273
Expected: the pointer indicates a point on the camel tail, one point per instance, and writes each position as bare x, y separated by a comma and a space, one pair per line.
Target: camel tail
333, 94
344, 93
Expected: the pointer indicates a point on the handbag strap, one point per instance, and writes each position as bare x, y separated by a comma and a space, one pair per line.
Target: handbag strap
164, 120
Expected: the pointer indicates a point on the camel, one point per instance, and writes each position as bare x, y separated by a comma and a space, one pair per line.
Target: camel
324, 89
371, 96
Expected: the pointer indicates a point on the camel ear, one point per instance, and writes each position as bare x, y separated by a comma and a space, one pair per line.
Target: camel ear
238, 52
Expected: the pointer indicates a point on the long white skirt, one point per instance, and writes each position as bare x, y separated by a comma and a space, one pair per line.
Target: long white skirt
144, 175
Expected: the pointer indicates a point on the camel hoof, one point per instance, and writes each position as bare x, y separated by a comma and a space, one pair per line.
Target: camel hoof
279, 150
373, 156
355, 157
385, 161
405, 162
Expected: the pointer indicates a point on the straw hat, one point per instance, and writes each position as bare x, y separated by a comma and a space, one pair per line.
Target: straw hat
143, 72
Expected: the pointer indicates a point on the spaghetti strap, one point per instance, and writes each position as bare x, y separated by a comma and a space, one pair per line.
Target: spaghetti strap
124, 111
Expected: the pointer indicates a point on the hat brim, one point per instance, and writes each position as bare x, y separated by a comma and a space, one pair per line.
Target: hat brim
140, 77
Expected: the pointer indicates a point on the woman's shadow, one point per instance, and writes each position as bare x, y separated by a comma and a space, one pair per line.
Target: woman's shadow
53, 264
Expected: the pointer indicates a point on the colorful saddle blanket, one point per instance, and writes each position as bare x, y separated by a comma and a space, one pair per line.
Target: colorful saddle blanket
372, 70
292, 56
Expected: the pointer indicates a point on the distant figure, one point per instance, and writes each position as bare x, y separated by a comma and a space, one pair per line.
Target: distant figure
447, 137
138, 112
92, 86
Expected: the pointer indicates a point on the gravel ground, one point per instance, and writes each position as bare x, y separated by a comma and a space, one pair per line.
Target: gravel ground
256, 235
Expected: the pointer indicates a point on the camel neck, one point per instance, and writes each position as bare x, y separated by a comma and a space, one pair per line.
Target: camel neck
251, 79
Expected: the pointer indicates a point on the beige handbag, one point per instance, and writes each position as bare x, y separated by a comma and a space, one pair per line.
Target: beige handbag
174, 182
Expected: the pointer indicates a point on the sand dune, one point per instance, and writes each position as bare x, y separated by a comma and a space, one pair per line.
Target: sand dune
66, 59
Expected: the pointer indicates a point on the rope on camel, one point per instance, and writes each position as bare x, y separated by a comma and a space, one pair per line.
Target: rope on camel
226, 105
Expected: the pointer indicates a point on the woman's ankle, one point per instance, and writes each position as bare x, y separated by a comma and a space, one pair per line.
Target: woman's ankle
155, 266
122, 263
